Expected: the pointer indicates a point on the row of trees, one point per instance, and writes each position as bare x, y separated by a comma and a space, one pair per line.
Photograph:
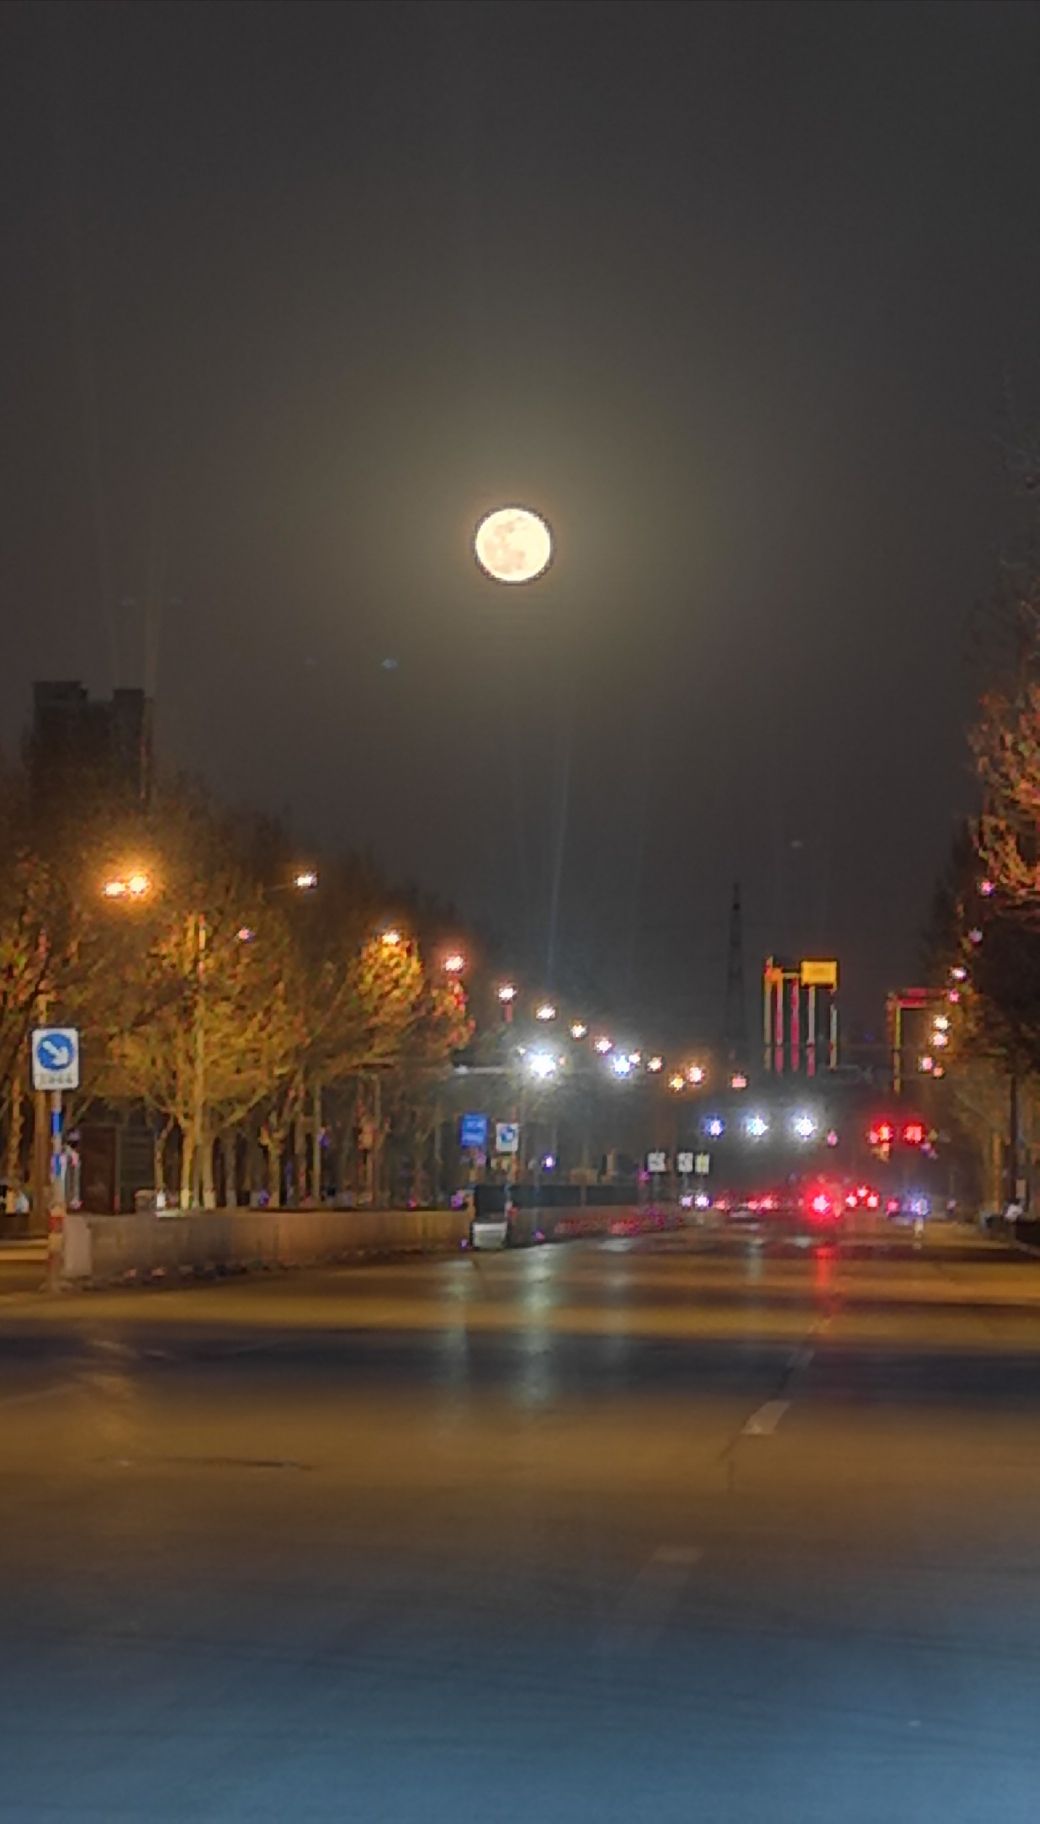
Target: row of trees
250, 1019
985, 935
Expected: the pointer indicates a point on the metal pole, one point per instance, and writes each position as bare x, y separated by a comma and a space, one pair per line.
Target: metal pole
199, 1062
56, 1198
1012, 1165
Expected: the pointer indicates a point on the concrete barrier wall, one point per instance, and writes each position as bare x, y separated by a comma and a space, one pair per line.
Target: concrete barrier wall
104, 1250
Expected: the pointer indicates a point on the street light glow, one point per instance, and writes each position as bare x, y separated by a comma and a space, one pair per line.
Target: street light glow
513, 545
677, 1081
715, 1127
455, 963
305, 880
621, 1064
128, 886
695, 1073
655, 1063
579, 1030
391, 939
542, 1065
545, 1012
804, 1126
756, 1127
507, 993
603, 1046
738, 1081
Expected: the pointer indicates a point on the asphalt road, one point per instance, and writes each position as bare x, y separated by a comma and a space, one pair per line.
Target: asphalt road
681, 1529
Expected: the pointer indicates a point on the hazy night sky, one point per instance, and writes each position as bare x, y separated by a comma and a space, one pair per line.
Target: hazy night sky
743, 298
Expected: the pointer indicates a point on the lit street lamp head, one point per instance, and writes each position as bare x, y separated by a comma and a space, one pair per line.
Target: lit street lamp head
455, 963
128, 886
513, 545
306, 880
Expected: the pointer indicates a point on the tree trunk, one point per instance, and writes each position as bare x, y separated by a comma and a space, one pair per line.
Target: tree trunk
14, 1141
188, 1154
229, 1148
208, 1198
275, 1149
316, 1141
299, 1186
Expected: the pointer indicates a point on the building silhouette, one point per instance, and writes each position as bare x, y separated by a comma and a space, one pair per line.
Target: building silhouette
80, 744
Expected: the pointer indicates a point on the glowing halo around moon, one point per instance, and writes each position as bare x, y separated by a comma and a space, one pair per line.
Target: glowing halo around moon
513, 545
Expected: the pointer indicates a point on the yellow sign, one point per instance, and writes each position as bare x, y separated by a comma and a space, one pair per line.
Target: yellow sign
820, 974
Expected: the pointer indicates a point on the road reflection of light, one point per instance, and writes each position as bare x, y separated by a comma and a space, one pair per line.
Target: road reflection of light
755, 1259
537, 1381
825, 1260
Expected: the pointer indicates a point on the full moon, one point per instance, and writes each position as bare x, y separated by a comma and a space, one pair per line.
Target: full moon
513, 545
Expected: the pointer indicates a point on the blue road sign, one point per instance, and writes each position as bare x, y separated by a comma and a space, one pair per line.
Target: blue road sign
473, 1132
55, 1057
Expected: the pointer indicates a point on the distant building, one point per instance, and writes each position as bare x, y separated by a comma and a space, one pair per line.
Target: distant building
799, 1016
78, 744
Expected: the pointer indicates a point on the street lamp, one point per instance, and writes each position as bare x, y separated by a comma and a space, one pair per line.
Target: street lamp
655, 1063
391, 938
305, 881
507, 993
541, 1065
134, 886
454, 964
677, 1082
603, 1045
695, 1074
545, 1012
579, 1030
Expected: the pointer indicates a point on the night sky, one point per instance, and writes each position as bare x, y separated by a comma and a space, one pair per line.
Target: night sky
743, 299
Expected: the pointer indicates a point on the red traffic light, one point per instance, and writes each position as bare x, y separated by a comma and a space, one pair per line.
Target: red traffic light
913, 1133
882, 1134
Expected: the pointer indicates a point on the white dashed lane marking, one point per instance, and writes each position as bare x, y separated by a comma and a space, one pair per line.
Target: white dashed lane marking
643, 1611
764, 1422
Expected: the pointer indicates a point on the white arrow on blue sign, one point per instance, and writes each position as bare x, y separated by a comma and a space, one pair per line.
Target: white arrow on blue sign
55, 1057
